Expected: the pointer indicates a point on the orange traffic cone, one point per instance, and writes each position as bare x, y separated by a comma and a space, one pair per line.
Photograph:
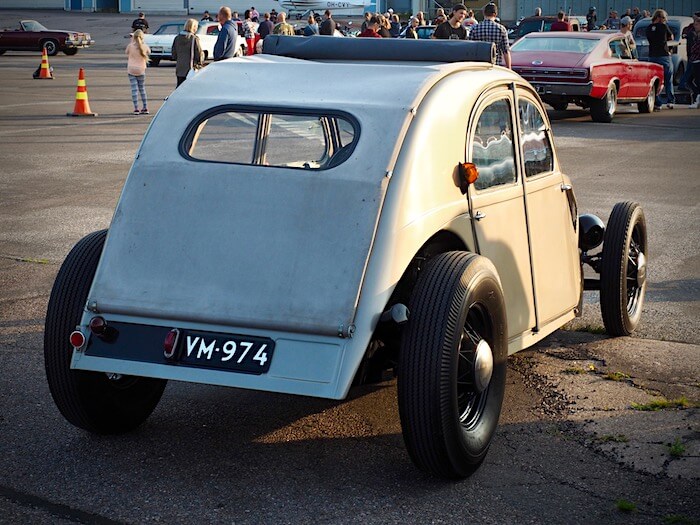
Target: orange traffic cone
82, 106
44, 69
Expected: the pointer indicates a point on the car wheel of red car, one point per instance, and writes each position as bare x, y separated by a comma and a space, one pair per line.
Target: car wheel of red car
623, 274
94, 401
51, 47
2, 51
603, 109
71, 51
452, 364
648, 105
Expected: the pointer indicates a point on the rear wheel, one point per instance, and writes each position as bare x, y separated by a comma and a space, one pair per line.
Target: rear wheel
452, 364
678, 75
154, 62
648, 105
51, 47
71, 51
560, 105
94, 401
624, 269
603, 109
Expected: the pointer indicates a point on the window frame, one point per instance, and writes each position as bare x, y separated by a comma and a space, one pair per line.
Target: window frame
501, 92
262, 132
523, 96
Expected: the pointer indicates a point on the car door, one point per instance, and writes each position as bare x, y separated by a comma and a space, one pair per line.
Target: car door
497, 205
551, 215
621, 68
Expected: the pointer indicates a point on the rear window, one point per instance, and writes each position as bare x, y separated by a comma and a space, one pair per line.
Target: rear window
567, 45
277, 139
170, 29
640, 29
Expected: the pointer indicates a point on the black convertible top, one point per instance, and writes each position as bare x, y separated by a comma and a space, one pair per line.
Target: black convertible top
391, 49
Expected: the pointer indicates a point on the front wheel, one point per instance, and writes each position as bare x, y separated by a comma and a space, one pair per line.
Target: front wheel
94, 401
603, 109
71, 51
623, 272
647, 106
51, 47
452, 364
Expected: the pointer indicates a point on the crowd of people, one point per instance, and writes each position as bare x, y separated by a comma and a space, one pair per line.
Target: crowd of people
460, 25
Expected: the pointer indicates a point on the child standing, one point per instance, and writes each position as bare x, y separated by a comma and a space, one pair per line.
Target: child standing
137, 53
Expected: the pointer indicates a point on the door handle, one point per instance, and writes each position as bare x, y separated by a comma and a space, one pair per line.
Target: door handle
565, 187
479, 215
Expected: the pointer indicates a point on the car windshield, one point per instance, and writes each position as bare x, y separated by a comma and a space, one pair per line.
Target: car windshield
565, 45
532, 26
170, 29
640, 30
291, 140
33, 25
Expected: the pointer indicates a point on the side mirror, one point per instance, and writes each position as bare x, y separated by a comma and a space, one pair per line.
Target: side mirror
468, 173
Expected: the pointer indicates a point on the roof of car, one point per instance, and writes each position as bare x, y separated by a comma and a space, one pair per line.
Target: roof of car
590, 35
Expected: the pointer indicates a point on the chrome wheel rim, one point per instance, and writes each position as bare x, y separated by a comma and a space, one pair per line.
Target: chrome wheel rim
474, 367
636, 271
612, 101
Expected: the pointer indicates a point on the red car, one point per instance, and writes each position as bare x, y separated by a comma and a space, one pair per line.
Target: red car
593, 70
32, 36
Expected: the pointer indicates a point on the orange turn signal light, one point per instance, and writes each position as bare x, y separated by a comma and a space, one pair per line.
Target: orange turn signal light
468, 173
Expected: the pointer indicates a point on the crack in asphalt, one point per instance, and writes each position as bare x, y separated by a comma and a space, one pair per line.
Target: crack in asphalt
57, 510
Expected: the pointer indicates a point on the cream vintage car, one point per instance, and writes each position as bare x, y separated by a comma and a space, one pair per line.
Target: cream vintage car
382, 207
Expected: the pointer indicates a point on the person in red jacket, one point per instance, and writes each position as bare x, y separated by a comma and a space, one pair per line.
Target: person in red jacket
372, 28
561, 24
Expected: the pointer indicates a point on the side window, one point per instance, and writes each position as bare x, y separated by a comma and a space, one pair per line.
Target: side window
492, 147
537, 150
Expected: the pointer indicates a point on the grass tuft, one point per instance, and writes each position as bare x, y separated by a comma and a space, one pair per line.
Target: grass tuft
616, 376
661, 404
625, 506
677, 448
612, 438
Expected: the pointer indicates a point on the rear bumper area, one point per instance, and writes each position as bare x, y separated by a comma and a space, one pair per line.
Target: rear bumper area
563, 89
300, 364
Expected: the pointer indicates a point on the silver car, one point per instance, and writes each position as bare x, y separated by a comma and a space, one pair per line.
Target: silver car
331, 231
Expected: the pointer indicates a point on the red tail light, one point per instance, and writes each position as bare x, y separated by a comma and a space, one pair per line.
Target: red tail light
77, 339
98, 325
170, 343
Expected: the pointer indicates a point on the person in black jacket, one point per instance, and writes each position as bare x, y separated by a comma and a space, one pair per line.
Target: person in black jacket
328, 25
140, 23
658, 35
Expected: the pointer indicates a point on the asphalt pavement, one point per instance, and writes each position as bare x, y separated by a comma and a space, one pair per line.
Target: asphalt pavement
569, 448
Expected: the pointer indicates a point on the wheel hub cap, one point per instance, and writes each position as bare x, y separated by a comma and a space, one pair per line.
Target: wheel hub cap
641, 269
483, 366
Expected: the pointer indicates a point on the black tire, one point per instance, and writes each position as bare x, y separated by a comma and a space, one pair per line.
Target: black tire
560, 105
623, 269
154, 62
51, 47
603, 109
447, 424
648, 105
71, 51
89, 400
2, 51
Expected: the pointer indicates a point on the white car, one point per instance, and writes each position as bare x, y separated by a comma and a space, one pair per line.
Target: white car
161, 42
306, 239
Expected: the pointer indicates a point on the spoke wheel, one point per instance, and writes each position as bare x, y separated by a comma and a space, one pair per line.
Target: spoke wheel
452, 364
623, 275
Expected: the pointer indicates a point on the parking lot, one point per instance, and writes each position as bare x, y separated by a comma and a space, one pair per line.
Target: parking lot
218, 455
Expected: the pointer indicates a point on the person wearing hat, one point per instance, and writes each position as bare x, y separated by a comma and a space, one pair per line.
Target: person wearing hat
140, 23
591, 19
626, 29
453, 29
491, 31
